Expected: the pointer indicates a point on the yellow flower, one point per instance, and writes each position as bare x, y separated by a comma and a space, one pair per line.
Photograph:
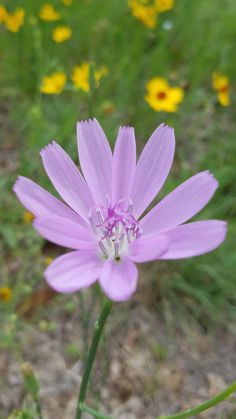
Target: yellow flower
5, 294
53, 84
48, 13
3, 14
80, 76
145, 13
164, 5
14, 21
161, 96
61, 34
220, 83
48, 260
28, 217
67, 2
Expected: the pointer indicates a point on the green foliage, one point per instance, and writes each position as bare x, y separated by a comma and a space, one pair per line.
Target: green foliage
21, 414
199, 40
30, 381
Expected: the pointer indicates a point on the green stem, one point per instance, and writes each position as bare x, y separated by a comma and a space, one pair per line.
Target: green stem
92, 87
98, 328
84, 319
203, 406
94, 412
38, 408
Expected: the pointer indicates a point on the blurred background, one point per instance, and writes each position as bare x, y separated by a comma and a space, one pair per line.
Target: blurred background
137, 63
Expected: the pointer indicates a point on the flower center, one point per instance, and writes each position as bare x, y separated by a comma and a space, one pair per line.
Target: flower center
224, 89
115, 228
161, 95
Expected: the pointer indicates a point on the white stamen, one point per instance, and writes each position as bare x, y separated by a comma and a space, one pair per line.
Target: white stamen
115, 228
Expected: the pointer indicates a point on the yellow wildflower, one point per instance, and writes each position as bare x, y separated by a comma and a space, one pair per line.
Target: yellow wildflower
48, 260
48, 13
161, 96
61, 34
3, 14
28, 217
67, 2
144, 12
14, 21
164, 5
220, 83
54, 83
80, 76
5, 294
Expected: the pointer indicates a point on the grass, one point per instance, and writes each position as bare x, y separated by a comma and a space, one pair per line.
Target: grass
200, 42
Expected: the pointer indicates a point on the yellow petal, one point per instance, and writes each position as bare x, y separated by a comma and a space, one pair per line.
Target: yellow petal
3, 14
164, 5
48, 13
80, 77
28, 217
5, 294
157, 84
224, 99
54, 83
160, 105
61, 34
176, 94
219, 81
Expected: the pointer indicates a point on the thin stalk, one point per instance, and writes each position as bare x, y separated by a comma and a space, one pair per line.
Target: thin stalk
94, 412
92, 87
38, 408
203, 406
98, 328
183, 415
84, 318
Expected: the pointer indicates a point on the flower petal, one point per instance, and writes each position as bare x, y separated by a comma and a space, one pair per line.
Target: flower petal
40, 202
119, 279
64, 232
194, 239
181, 204
148, 248
67, 179
124, 161
73, 271
153, 167
95, 159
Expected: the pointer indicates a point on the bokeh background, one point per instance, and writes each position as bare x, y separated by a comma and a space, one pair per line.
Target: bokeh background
135, 63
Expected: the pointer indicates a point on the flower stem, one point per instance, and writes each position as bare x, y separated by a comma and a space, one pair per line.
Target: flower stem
203, 406
98, 328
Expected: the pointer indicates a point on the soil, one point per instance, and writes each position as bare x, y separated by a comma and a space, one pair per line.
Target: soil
141, 370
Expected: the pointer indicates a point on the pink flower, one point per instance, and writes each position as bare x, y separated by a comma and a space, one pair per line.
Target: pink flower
102, 218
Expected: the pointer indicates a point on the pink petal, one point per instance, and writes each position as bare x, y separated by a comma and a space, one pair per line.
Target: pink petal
194, 239
67, 179
95, 159
119, 279
148, 248
124, 161
153, 167
40, 202
64, 232
73, 271
181, 204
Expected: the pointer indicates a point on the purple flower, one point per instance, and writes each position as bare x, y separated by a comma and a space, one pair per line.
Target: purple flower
102, 218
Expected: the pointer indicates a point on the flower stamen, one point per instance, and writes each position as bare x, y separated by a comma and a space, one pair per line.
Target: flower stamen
114, 228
